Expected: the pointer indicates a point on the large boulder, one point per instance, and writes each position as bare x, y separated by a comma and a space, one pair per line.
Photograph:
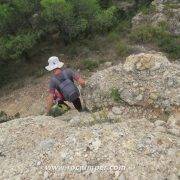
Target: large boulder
43, 147
146, 79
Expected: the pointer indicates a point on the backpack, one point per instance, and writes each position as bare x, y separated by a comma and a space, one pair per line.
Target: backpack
67, 88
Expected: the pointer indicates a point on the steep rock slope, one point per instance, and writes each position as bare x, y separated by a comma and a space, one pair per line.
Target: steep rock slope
39, 147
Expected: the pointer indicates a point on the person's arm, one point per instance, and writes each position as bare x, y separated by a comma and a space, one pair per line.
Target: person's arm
49, 103
81, 81
78, 78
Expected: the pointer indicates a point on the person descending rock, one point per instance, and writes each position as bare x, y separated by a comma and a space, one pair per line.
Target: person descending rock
61, 86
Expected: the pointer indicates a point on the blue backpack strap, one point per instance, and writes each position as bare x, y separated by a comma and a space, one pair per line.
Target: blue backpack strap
57, 81
65, 74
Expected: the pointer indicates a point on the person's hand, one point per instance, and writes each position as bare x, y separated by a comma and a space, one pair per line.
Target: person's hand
81, 82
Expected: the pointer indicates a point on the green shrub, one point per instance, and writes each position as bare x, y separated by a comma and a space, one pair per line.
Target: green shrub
90, 64
143, 34
4, 117
113, 36
105, 3
160, 36
6, 18
122, 49
58, 110
147, 9
105, 19
115, 95
123, 27
13, 47
172, 5
15, 16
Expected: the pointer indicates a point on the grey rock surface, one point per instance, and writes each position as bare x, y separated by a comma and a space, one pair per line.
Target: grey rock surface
38, 147
145, 79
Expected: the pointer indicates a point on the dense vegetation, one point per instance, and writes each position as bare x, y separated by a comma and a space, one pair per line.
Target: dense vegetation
26, 24
23, 23
159, 36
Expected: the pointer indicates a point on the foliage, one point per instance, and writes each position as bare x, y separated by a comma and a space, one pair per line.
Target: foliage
147, 9
122, 49
160, 36
58, 110
13, 47
6, 18
113, 36
123, 27
74, 18
105, 3
71, 18
15, 16
90, 64
4, 117
106, 19
115, 95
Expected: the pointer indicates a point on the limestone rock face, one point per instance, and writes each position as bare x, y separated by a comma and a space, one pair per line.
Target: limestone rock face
173, 124
146, 61
146, 79
53, 148
163, 11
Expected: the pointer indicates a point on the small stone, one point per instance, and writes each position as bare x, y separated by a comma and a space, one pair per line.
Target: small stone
107, 64
46, 175
159, 123
63, 155
174, 131
85, 155
47, 144
173, 177
135, 84
153, 96
122, 177
38, 163
74, 121
172, 152
117, 110
96, 144
160, 129
139, 97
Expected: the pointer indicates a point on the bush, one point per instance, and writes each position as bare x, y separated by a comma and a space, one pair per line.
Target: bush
6, 18
160, 36
105, 3
4, 117
90, 64
105, 20
58, 110
123, 27
115, 95
147, 9
122, 49
13, 47
113, 36
15, 16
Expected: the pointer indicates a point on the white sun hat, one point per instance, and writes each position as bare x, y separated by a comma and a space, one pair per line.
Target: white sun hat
54, 63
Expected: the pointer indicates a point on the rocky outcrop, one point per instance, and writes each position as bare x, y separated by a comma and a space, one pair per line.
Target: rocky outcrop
146, 79
161, 11
124, 139
88, 146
